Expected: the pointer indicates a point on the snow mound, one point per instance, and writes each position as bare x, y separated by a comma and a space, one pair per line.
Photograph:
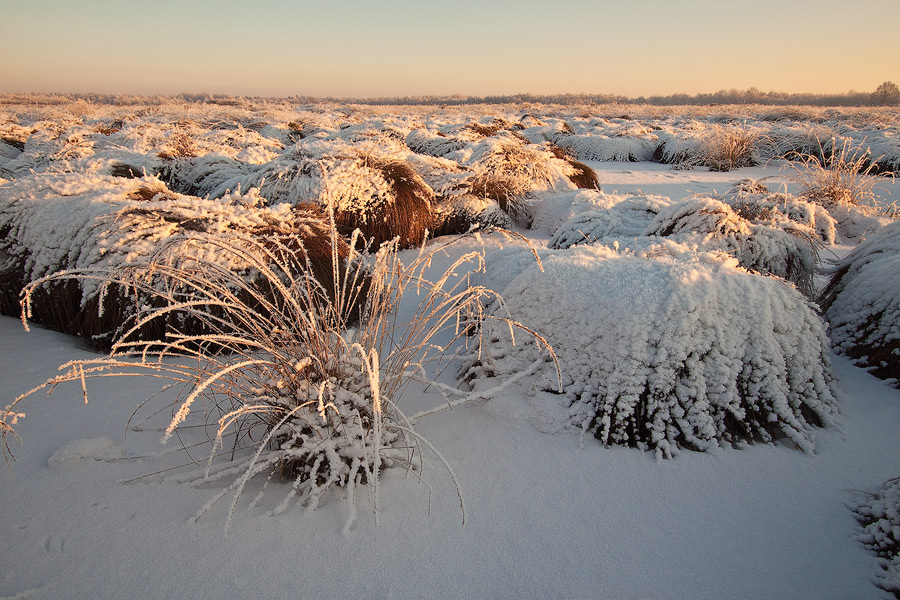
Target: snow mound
622, 219
879, 515
423, 141
862, 304
772, 235
668, 348
751, 233
617, 148
100, 449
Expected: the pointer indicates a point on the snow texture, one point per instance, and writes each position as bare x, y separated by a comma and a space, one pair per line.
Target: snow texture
879, 515
863, 304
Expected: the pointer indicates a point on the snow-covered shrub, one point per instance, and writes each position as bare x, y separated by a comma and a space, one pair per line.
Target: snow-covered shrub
726, 149
841, 176
879, 516
463, 213
717, 147
209, 175
843, 183
432, 144
668, 348
886, 152
77, 222
507, 170
681, 147
772, 246
583, 177
752, 201
619, 219
862, 303
403, 212
618, 148
551, 211
445, 176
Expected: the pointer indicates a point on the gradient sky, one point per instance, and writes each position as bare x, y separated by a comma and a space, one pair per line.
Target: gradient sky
357, 48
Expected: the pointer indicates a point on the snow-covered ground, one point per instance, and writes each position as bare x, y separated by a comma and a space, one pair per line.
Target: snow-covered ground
95, 507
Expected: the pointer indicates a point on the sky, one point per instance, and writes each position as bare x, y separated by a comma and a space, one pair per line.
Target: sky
359, 48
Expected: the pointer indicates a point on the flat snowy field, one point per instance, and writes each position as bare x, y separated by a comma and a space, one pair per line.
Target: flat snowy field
92, 513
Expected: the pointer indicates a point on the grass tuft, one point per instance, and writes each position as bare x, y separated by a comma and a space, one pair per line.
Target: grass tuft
279, 353
841, 177
406, 215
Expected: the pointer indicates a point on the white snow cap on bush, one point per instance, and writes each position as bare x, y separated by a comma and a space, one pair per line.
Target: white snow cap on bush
670, 348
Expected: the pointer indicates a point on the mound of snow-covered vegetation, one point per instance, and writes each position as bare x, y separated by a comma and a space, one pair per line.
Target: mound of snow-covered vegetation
290, 271
879, 515
668, 347
862, 302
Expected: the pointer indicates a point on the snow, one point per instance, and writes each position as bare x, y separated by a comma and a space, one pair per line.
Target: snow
95, 507
547, 517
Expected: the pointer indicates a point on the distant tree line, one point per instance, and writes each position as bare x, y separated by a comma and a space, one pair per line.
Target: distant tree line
886, 94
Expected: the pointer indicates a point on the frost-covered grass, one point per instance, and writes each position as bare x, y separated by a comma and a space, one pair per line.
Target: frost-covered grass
840, 176
671, 296
302, 379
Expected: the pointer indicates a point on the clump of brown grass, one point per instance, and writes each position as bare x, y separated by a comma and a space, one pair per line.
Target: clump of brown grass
583, 177
180, 145
111, 127
483, 130
406, 215
726, 149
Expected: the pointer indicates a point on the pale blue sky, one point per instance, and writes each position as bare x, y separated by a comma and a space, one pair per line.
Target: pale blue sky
403, 47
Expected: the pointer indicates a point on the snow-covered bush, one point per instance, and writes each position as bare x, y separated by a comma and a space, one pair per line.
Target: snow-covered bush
879, 516
582, 176
278, 352
668, 348
616, 219
618, 148
842, 175
505, 169
753, 201
404, 211
680, 147
76, 222
842, 181
762, 243
726, 149
464, 213
862, 304
432, 144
